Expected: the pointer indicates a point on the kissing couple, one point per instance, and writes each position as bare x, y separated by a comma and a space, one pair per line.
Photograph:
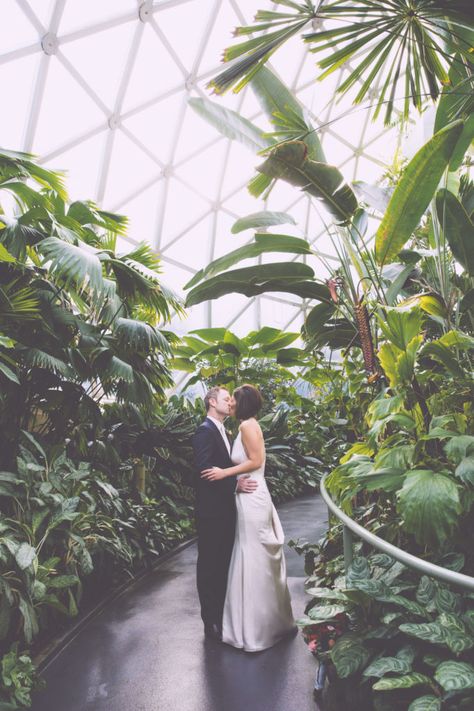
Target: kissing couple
241, 569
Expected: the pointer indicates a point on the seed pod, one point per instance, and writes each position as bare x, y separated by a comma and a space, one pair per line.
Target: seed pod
363, 326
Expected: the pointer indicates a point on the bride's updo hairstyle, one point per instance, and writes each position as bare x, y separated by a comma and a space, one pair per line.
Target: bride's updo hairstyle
248, 402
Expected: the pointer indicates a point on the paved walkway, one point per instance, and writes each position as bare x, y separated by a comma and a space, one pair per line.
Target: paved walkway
146, 651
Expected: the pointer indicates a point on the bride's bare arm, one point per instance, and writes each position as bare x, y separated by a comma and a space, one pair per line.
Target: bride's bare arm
252, 439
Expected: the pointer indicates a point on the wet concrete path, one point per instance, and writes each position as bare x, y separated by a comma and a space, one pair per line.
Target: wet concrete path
146, 651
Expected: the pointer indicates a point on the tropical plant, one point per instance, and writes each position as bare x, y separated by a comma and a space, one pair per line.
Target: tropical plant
217, 356
78, 322
403, 641
18, 679
292, 468
396, 45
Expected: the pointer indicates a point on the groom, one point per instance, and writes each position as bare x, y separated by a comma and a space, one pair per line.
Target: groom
215, 509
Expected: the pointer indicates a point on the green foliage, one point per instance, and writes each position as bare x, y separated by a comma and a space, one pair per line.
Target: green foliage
430, 505
289, 161
18, 679
413, 193
393, 48
217, 356
385, 645
71, 312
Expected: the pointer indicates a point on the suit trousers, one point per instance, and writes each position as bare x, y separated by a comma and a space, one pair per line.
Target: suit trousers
215, 543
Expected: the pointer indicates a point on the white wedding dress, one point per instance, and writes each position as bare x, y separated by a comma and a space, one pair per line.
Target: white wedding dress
257, 609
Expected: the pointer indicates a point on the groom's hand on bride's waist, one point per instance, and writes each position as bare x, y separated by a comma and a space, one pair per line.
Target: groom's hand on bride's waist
245, 485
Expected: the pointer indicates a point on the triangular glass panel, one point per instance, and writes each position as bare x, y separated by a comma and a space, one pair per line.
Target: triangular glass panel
154, 72
82, 165
21, 72
157, 126
131, 161
67, 111
88, 13
21, 31
100, 59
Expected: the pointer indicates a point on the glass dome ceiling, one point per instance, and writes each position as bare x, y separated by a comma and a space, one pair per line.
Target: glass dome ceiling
101, 89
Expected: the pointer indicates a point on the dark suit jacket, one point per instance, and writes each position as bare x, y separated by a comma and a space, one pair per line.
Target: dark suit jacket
213, 498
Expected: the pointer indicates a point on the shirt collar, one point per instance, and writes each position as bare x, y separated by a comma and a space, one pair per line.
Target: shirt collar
219, 425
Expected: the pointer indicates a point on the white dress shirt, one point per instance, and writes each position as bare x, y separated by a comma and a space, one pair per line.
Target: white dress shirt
221, 428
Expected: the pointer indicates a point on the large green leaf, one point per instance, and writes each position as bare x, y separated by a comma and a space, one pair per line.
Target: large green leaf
455, 676
459, 447
402, 682
425, 703
264, 336
336, 333
8, 373
426, 590
414, 192
25, 555
283, 276
264, 243
230, 124
460, 84
290, 162
448, 630
317, 319
261, 219
30, 620
465, 470
400, 325
139, 335
250, 55
444, 355
325, 612
285, 112
349, 655
212, 335
384, 665
458, 228
458, 637
281, 341
429, 505
78, 265
39, 359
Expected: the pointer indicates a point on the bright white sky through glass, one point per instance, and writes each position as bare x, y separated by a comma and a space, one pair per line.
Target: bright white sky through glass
100, 89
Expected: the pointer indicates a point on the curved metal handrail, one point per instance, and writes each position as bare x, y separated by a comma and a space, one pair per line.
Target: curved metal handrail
412, 561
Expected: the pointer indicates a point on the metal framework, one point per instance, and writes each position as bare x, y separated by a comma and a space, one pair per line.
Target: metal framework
181, 192
421, 566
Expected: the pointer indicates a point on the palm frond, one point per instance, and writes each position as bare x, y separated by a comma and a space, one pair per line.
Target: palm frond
140, 336
23, 166
250, 56
76, 265
34, 357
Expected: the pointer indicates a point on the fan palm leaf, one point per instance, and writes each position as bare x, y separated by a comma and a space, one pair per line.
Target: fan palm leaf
251, 55
35, 357
140, 336
18, 235
76, 265
139, 284
18, 303
404, 45
15, 164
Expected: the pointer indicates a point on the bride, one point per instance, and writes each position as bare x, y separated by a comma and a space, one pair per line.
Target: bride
257, 609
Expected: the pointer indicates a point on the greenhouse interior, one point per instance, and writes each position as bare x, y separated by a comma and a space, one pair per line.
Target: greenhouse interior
236, 355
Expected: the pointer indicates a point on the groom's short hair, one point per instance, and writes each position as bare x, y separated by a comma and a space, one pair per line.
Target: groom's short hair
212, 393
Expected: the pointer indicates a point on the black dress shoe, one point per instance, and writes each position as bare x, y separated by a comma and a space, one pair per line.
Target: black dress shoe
213, 632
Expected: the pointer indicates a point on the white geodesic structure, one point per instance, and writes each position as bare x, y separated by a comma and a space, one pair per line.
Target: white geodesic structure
100, 88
